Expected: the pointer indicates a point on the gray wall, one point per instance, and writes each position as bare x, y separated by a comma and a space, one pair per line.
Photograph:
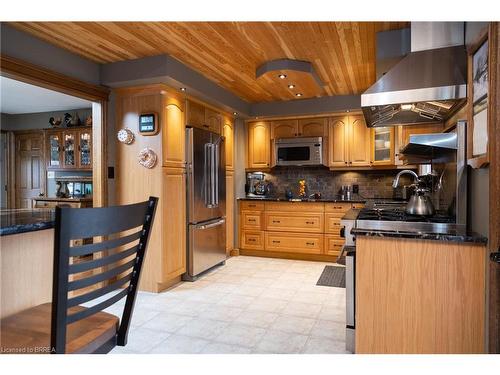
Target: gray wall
15, 43
39, 120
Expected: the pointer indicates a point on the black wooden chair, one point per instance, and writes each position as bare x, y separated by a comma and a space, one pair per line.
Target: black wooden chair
64, 326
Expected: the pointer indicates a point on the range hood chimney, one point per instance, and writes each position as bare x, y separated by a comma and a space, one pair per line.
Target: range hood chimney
428, 85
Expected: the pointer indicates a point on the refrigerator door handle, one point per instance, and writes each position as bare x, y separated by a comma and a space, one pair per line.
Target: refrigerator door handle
207, 176
211, 225
216, 174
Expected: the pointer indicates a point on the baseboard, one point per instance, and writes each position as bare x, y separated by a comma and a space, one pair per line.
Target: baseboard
294, 256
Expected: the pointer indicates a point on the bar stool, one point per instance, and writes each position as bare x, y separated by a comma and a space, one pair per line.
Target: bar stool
64, 326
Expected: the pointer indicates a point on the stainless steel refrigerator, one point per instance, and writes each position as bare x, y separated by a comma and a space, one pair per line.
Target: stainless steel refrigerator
206, 201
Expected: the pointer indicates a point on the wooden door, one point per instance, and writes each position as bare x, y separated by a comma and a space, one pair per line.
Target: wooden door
359, 142
337, 142
173, 134
313, 127
229, 211
84, 158
228, 133
213, 120
259, 145
174, 218
195, 114
284, 129
30, 168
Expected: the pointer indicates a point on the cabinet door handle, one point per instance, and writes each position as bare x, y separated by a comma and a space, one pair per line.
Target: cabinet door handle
251, 240
276, 221
310, 243
309, 222
252, 220
251, 205
276, 241
336, 223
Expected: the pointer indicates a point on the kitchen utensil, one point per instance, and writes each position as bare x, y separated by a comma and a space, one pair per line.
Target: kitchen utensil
420, 203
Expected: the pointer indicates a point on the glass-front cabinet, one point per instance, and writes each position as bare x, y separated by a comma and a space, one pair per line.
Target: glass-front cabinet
55, 147
85, 149
382, 146
70, 148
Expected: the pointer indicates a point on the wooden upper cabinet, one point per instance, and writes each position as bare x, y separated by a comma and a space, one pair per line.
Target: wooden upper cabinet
173, 133
313, 127
195, 114
213, 121
337, 142
228, 133
259, 144
284, 129
359, 142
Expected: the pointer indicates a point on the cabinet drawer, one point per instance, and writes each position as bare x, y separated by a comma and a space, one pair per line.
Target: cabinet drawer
332, 223
252, 206
333, 244
294, 242
287, 222
337, 207
295, 206
252, 240
251, 220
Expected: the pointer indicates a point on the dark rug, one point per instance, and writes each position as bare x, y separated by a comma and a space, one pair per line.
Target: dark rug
332, 276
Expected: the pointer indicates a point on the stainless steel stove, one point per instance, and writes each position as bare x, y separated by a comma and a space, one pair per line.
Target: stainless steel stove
396, 219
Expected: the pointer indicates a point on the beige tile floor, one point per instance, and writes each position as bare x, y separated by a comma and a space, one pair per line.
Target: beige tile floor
250, 305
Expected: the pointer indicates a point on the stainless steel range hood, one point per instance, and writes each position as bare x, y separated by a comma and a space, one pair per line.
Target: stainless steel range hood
428, 85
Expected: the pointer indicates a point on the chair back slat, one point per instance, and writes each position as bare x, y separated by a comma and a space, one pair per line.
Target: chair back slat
132, 223
96, 293
104, 245
103, 276
96, 308
104, 261
94, 222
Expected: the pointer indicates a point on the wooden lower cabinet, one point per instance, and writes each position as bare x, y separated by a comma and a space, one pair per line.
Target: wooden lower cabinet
229, 212
283, 221
252, 240
174, 219
294, 242
302, 230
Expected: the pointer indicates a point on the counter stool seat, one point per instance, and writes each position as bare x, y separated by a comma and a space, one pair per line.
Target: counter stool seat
28, 332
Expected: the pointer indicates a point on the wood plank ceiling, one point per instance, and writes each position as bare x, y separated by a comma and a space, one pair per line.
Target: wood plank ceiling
342, 53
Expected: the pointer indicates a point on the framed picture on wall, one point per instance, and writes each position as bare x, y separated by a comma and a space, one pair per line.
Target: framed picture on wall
478, 97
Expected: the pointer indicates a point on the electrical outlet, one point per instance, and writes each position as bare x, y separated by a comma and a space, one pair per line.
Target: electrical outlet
355, 189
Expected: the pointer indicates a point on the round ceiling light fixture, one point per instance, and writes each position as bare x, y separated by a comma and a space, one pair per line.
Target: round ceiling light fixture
235, 113
183, 89
298, 94
291, 86
281, 76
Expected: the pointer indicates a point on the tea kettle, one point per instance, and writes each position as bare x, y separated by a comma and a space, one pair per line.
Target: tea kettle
420, 202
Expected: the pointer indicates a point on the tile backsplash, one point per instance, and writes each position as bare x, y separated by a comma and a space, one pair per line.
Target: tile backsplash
372, 184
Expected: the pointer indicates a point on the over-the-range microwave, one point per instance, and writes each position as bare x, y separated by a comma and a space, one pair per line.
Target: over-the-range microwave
299, 151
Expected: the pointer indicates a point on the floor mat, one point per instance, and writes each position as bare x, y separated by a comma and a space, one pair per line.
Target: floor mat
332, 276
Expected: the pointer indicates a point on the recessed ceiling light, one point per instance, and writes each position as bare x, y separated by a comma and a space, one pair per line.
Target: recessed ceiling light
235, 113
183, 89
406, 107
282, 76
291, 86
298, 94
348, 111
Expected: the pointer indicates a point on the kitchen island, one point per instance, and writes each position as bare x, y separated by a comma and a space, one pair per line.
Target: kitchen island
26, 258
419, 292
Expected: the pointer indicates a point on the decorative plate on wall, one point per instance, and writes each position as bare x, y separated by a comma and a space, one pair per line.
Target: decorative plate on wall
147, 158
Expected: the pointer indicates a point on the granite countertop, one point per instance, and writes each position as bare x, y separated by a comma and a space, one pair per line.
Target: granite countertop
453, 236
83, 199
283, 199
26, 220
